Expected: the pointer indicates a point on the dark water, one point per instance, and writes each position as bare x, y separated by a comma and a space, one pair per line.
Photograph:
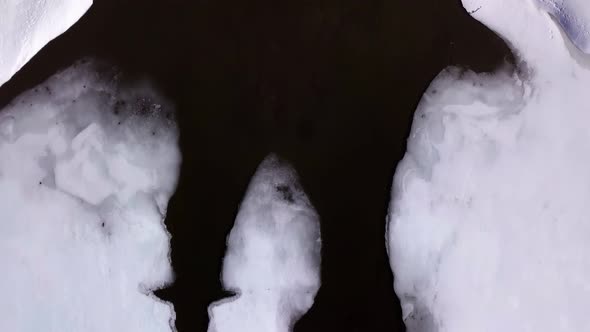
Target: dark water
329, 85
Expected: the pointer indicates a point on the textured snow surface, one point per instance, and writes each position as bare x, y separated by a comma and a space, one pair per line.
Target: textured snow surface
574, 17
87, 166
28, 25
272, 261
490, 216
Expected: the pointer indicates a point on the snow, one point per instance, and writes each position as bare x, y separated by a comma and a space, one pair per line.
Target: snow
574, 17
488, 225
272, 261
86, 170
28, 25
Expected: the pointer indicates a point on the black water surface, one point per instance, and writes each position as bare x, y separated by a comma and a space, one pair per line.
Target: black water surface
329, 85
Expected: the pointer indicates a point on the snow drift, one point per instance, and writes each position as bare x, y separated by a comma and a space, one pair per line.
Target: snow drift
28, 25
574, 18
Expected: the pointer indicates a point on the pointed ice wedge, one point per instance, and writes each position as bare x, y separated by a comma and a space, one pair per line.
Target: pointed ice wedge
273, 256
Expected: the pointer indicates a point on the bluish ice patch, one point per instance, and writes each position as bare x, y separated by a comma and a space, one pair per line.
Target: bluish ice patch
573, 18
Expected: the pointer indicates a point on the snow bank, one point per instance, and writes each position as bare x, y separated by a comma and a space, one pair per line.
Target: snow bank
489, 221
273, 256
28, 25
87, 166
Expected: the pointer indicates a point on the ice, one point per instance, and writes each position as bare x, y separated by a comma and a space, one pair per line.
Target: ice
87, 165
28, 25
489, 221
272, 261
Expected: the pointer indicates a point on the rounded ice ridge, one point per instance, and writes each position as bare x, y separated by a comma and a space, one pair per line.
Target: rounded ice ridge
87, 167
488, 227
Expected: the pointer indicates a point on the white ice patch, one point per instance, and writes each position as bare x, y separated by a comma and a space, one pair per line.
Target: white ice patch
86, 170
273, 256
490, 217
28, 25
